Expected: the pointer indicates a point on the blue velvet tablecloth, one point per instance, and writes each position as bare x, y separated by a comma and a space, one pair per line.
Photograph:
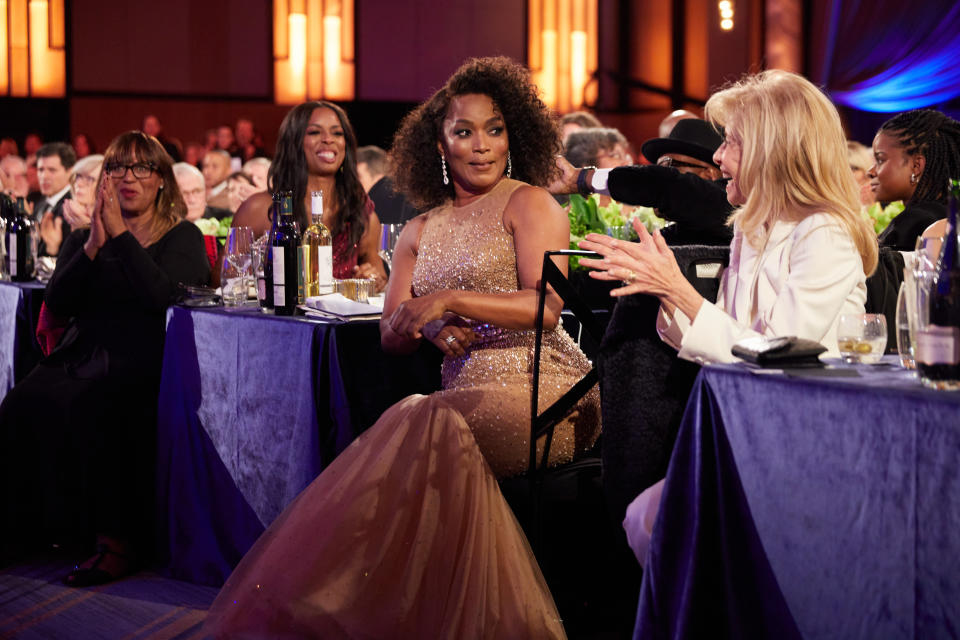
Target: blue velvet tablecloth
809, 507
19, 350
251, 408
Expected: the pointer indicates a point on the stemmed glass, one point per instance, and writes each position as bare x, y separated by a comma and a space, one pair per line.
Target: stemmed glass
237, 274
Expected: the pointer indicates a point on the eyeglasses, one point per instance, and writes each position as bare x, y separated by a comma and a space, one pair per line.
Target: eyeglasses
140, 170
667, 161
82, 178
192, 193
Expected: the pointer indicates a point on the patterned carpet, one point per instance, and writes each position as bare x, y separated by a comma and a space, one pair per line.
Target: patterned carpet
35, 605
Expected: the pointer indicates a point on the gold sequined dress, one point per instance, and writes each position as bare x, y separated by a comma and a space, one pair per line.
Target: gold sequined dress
406, 534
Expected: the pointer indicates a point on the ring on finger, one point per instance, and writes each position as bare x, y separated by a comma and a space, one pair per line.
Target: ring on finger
450, 339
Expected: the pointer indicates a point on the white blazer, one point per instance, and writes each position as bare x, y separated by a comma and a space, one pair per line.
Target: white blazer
806, 275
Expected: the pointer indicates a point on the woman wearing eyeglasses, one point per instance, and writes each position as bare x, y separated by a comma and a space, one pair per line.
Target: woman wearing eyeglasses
77, 434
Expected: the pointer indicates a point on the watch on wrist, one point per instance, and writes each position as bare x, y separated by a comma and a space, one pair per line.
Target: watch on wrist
584, 187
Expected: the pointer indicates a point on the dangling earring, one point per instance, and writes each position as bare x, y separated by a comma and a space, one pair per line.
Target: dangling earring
443, 169
509, 165
913, 178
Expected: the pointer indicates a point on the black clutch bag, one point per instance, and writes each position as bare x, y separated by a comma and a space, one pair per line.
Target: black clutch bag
787, 352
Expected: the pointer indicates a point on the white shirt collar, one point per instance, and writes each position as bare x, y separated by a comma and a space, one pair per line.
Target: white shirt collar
55, 198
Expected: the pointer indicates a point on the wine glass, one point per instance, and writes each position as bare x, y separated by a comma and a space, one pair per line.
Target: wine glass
862, 337
236, 274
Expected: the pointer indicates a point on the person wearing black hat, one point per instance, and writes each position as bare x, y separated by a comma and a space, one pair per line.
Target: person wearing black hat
683, 185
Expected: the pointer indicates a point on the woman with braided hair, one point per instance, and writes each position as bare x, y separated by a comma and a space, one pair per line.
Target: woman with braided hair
915, 153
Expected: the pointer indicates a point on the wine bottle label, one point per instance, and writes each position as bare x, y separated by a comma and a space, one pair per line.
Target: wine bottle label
279, 291
325, 262
938, 345
12, 252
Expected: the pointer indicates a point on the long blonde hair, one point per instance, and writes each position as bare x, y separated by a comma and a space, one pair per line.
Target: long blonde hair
793, 159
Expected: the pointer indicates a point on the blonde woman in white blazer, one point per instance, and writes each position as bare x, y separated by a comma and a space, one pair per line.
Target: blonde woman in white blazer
800, 253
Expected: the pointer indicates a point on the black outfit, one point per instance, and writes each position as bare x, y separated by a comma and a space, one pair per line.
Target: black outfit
57, 213
391, 207
902, 232
77, 435
697, 207
216, 212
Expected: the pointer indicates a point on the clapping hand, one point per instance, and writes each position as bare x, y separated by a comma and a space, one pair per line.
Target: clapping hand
51, 231
76, 214
98, 235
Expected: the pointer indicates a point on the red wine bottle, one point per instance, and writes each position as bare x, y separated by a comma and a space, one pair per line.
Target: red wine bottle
938, 343
20, 245
285, 254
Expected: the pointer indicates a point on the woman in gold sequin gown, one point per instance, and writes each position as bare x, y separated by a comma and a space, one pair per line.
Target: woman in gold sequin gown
406, 534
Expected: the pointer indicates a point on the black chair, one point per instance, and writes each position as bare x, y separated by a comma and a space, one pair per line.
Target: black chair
644, 385
562, 508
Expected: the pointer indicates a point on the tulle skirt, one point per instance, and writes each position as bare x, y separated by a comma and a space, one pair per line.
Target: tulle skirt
405, 535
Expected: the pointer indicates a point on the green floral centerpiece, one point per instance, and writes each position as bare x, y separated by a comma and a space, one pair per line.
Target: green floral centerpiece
213, 227
881, 216
587, 216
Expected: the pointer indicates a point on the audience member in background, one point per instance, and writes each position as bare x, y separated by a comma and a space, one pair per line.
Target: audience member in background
684, 184
216, 168
152, 127
316, 151
193, 154
916, 152
194, 193
239, 187
258, 169
210, 139
226, 140
372, 168
83, 146
246, 136
54, 161
33, 194
668, 123
576, 120
8, 147
13, 176
860, 158
77, 435
32, 143
598, 147
78, 209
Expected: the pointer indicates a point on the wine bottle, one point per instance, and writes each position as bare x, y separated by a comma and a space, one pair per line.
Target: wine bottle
316, 250
266, 300
285, 245
20, 245
938, 342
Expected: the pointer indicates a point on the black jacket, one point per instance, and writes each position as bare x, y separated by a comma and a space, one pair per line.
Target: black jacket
697, 207
902, 232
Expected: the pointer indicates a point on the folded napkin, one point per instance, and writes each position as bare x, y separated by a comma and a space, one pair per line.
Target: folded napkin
339, 305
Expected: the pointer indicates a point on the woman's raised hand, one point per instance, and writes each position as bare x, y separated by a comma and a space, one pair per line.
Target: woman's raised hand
75, 214
98, 234
110, 214
646, 266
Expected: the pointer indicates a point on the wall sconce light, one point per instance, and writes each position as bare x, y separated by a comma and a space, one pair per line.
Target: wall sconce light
312, 50
562, 51
726, 14
32, 56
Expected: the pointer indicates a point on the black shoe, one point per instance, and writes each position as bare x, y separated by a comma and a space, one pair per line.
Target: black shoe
93, 575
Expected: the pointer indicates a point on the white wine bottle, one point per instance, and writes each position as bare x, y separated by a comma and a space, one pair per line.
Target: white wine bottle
316, 251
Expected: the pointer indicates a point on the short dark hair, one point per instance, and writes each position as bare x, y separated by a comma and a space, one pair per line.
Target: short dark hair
374, 157
68, 157
583, 146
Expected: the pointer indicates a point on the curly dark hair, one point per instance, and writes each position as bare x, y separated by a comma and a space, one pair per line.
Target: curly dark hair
533, 133
288, 171
936, 137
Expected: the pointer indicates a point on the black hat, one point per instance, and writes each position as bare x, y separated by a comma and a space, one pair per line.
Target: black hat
692, 137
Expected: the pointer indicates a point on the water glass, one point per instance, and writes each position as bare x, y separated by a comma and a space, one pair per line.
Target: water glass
236, 275
862, 337
358, 289
904, 326
389, 234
